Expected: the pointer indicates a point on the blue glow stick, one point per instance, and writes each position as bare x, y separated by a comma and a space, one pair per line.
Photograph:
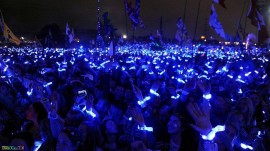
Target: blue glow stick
145, 128
91, 113
240, 91
244, 146
154, 92
144, 100
132, 68
180, 80
29, 93
230, 76
151, 72
239, 80
37, 145
175, 97
61, 70
5, 69
207, 96
47, 84
160, 73
247, 74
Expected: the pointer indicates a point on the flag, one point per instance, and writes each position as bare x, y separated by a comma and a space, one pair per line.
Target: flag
181, 33
69, 33
181, 26
8, 34
257, 20
134, 13
221, 3
215, 24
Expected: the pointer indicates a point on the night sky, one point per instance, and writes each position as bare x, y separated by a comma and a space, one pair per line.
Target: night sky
29, 16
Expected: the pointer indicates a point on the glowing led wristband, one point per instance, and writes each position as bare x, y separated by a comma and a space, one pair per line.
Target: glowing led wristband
212, 134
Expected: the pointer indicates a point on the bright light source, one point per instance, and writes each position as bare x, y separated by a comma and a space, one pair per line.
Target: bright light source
125, 36
202, 37
22, 38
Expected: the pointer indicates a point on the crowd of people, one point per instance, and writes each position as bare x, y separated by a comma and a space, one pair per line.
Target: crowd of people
187, 98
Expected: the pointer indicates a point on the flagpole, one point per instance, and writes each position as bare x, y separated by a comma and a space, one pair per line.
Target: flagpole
126, 20
99, 39
197, 19
184, 16
240, 19
245, 25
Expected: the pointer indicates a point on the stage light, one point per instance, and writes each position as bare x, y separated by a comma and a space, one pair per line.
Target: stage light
125, 36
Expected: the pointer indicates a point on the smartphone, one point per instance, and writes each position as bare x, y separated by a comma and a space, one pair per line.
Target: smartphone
82, 93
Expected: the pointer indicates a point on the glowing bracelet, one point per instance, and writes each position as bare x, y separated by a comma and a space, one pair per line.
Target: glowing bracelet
212, 134
207, 96
244, 146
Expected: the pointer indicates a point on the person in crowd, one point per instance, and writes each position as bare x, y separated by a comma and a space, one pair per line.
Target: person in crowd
68, 139
140, 99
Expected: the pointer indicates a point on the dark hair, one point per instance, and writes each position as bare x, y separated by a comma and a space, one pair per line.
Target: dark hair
26, 136
40, 110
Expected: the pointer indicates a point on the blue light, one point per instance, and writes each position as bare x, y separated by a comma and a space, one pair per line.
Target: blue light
29, 93
145, 128
212, 134
247, 74
244, 146
47, 84
154, 92
91, 113
207, 96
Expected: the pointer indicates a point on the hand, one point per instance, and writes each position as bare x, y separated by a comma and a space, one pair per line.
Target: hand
137, 115
204, 85
201, 116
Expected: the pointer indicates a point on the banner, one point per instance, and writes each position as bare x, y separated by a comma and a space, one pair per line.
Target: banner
69, 33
